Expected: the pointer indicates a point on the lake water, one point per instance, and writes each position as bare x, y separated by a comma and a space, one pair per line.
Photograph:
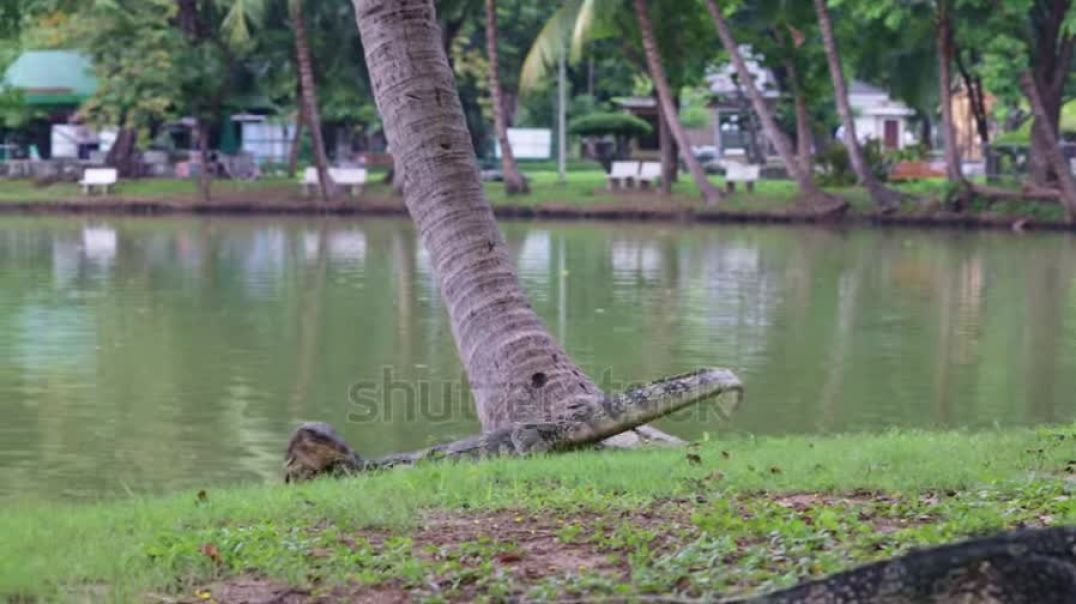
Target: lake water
144, 355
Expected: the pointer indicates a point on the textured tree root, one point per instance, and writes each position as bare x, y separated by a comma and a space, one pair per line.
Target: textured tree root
316, 449
1027, 192
821, 206
1036, 565
888, 200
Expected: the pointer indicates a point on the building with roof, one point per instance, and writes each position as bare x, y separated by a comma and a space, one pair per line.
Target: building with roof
880, 117
52, 85
737, 132
877, 115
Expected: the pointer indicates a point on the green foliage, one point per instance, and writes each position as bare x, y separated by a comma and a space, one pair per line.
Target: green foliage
609, 124
138, 55
14, 112
835, 167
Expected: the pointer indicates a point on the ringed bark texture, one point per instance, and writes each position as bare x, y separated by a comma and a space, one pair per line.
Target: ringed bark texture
517, 370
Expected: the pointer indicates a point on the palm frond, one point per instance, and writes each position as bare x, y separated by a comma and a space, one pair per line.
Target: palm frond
547, 47
574, 24
240, 16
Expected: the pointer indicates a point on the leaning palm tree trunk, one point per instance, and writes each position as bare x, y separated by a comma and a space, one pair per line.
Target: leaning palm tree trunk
517, 371
883, 197
296, 141
514, 183
1054, 156
530, 396
810, 192
710, 193
309, 98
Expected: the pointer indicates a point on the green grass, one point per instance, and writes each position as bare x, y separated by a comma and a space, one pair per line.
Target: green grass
717, 520
155, 188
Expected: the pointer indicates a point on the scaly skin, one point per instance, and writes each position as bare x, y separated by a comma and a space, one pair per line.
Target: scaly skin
315, 448
1035, 566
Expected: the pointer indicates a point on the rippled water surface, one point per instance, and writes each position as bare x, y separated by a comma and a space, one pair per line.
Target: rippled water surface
143, 355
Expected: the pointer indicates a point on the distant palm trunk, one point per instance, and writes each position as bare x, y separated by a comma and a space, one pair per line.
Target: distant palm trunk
883, 197
710, 194
201, 132
309, 98
514, 183
667, 150
803, 117
296, 143
943, 32
808, 189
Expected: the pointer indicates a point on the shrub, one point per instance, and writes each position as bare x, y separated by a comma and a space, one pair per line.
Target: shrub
616, 124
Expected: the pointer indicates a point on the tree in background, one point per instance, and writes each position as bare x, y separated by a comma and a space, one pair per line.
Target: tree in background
134, 47
309, 97
668, 109
811, 195
943, 36
883, 197
241, 16
1051, 45
514, 183
679, 45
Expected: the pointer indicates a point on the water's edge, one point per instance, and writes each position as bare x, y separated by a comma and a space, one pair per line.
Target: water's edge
605, 212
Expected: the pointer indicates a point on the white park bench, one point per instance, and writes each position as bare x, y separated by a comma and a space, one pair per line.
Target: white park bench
649, 174
353, 179
622, 173
100, 178
737, 172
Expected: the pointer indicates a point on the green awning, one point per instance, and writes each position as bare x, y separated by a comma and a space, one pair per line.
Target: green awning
52, 77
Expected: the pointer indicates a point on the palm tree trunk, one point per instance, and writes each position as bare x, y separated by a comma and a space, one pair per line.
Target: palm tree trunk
309, 97
810, 192
944, 38
1052, 149
517, 370
296, 142
883, 197
514, 183
668, 152
803, 117
201, 132
710, 194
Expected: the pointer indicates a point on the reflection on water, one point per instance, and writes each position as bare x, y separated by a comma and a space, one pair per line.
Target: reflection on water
150, 354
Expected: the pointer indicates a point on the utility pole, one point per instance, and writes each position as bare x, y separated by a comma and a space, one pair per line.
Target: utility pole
562, 116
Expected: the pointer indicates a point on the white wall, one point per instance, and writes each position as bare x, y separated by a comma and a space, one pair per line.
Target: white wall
267, 142
528, 143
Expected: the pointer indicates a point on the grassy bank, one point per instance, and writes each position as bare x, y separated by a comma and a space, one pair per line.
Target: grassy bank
582, 195
724, 516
